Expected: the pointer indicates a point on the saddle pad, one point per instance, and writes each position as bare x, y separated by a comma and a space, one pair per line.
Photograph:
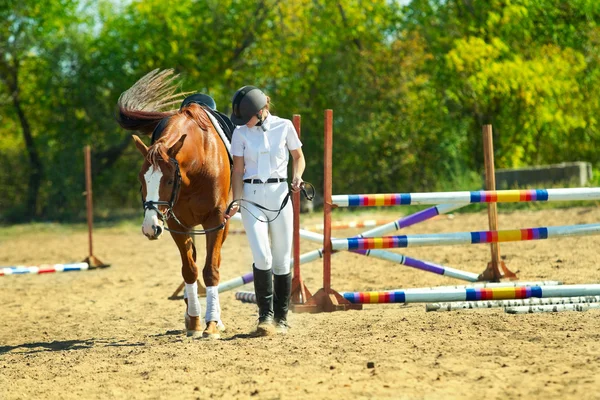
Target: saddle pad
225, 138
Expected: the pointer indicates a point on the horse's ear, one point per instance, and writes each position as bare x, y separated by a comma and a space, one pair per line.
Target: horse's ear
140, 145
173, 150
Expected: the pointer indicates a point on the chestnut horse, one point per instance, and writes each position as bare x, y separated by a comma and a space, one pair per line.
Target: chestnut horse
185, 181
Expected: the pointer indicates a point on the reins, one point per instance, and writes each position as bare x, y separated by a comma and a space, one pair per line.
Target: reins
284, 202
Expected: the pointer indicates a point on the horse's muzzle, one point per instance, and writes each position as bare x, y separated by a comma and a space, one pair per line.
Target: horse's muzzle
157, 231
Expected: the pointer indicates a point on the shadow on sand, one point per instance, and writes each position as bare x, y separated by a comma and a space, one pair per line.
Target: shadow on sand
64, 345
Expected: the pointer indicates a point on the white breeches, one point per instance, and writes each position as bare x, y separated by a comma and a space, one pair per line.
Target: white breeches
270, 243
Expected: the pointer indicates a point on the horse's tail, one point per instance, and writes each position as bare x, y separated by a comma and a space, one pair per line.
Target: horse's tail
148, 101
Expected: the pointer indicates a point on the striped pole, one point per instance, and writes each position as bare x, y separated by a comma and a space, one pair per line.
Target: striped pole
404, 222
551, 308
471, 294
43, 269
246, 297
367, 223
482, 196
442, 239
390, 227
402, 259
469, 305
412, 219
482, 285
236, 282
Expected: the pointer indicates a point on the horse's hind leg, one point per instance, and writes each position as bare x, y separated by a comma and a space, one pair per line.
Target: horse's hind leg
189, 271
211, 275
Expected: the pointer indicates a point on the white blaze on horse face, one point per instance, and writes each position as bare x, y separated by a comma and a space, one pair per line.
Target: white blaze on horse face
152, 178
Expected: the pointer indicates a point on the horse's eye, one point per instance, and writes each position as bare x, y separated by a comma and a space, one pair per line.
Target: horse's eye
170, 182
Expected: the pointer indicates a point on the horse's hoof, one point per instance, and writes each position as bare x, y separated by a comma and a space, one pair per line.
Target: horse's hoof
192, 324
212, 331
194, 334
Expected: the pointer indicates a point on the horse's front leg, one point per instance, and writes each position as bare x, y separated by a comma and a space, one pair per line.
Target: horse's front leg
210, 273
189, 271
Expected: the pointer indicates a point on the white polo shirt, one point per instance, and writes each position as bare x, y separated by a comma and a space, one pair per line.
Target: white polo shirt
282, 138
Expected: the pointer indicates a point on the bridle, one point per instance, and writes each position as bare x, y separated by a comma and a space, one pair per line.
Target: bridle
169, 213
153, 205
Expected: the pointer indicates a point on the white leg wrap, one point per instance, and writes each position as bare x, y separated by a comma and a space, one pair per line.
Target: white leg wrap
213, 308
194, 309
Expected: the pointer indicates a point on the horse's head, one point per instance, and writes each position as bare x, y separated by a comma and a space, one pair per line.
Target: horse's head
160, 177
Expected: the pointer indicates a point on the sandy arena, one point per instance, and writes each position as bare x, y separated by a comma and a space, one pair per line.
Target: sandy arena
113, 334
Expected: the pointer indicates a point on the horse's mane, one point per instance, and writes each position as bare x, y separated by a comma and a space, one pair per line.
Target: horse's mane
197, 113
158, 150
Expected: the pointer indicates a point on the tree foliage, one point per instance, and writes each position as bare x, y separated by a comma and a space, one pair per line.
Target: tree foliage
410, 86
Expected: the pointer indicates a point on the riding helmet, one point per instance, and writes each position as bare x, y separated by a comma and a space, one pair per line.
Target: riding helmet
246, 103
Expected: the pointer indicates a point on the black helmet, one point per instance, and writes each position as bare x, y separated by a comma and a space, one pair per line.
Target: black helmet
200, 98
246, 103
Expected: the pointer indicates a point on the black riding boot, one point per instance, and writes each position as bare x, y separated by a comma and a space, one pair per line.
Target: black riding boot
283, 289
263, 287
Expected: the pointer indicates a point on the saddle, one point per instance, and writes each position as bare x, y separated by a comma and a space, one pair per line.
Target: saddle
220, 121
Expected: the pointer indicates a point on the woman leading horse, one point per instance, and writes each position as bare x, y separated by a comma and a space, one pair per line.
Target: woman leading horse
185, 181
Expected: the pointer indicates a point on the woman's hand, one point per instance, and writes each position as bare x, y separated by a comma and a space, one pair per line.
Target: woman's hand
234, 208
297, 184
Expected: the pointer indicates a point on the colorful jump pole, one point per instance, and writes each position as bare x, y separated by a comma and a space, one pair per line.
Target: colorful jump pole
403, 222
381, 230
418, 217
404, 260
471, 294
469, 305
482, 196
43, 269
482, 285
443, 239
236, 282
390, 227
246, 297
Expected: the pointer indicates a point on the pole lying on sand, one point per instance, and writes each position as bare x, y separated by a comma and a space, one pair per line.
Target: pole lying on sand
471, 294
43, 269
551, 308
468, 305
246, 297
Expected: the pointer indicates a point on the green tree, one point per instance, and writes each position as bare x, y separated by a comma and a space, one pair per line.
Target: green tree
29, 30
